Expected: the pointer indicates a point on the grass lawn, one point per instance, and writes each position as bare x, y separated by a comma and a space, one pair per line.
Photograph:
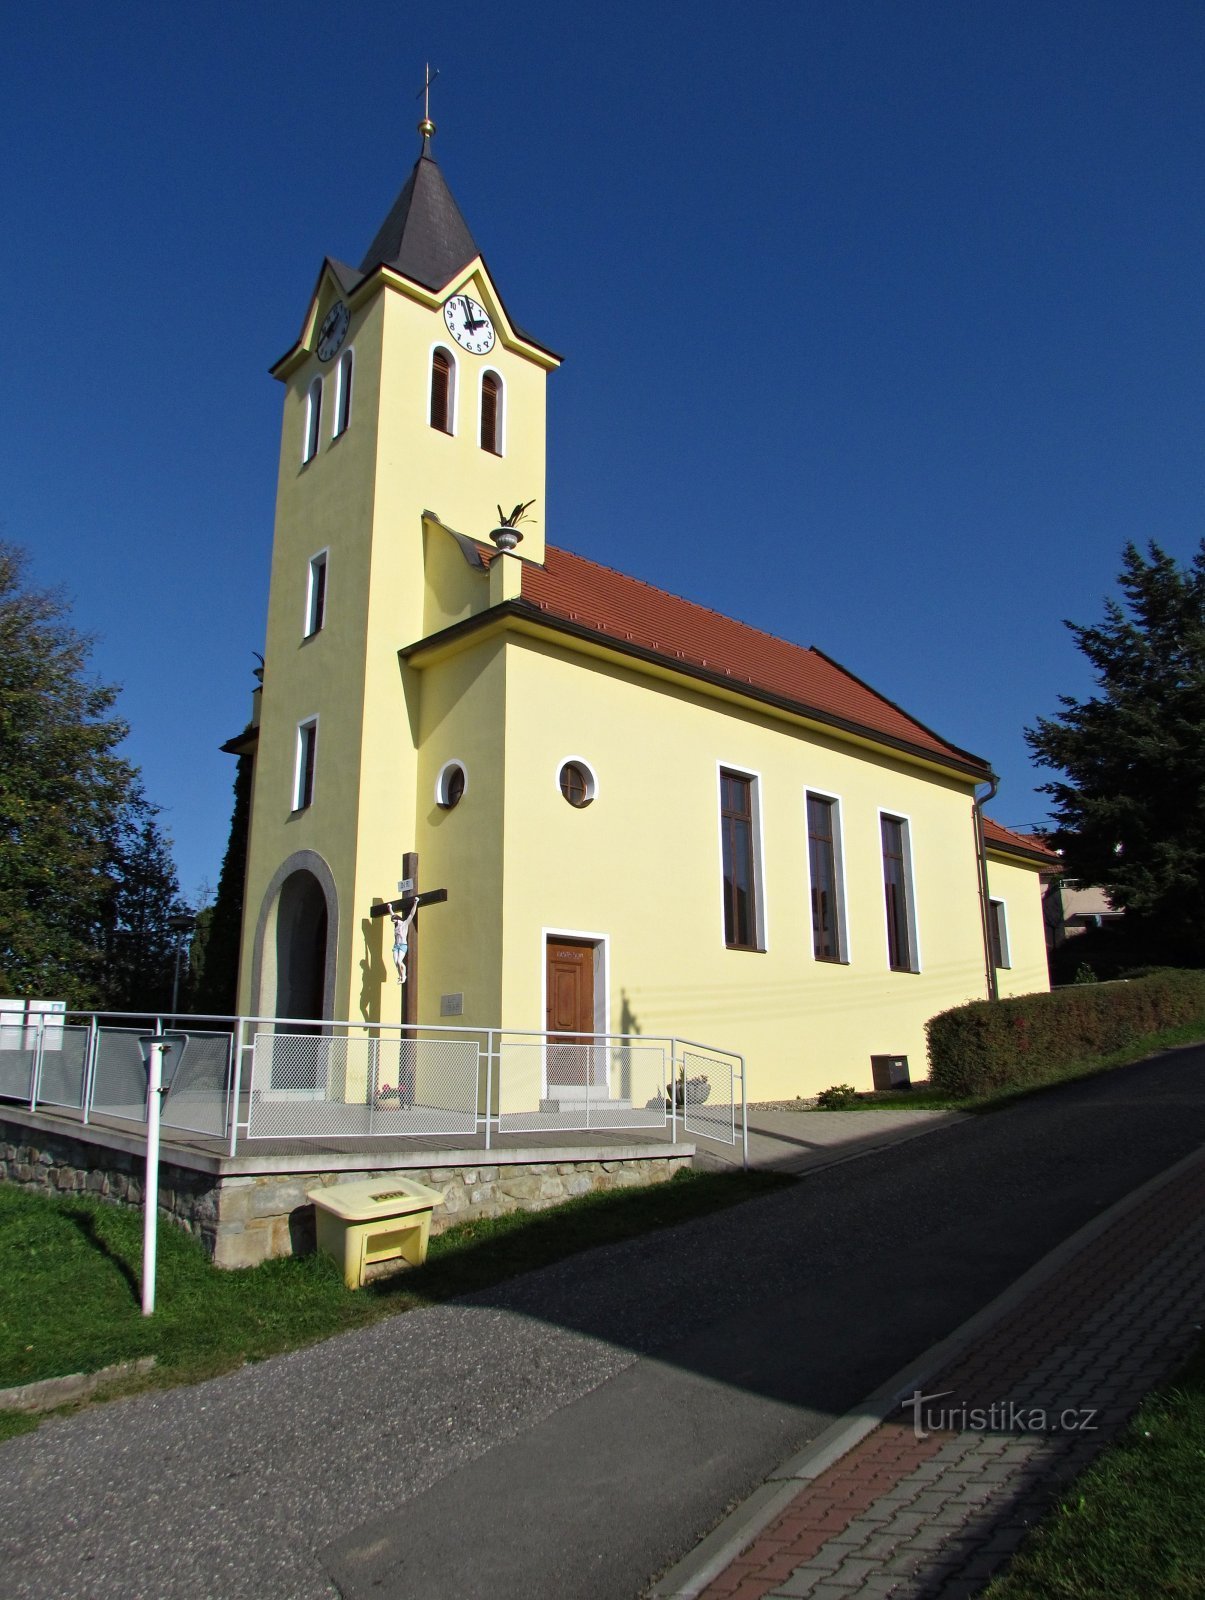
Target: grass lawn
70, 1298
1133, 1525
923, 1097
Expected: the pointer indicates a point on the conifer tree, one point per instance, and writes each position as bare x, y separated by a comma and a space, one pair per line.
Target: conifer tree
1130, 806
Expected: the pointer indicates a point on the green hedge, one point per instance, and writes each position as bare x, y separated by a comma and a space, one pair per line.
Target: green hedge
998, 1044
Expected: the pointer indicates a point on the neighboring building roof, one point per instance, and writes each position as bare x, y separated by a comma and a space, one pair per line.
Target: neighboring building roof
634, 616
424, 237
997, 837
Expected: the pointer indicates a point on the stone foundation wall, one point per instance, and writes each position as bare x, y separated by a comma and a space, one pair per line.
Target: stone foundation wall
57, 1162
242, 1218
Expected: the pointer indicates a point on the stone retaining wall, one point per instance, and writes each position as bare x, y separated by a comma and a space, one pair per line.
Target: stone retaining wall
243, 1218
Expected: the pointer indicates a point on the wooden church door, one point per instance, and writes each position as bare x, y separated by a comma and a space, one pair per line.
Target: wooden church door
569, 1010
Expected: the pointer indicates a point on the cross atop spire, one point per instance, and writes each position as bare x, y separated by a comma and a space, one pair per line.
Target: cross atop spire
426, 127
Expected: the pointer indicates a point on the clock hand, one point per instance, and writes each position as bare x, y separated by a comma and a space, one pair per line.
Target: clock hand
470, 321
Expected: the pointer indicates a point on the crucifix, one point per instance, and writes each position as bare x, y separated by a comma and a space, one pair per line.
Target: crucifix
403, 912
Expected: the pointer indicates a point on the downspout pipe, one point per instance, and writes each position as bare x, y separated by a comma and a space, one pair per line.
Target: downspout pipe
989, 966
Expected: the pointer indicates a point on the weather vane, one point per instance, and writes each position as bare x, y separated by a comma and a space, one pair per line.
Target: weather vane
426, 127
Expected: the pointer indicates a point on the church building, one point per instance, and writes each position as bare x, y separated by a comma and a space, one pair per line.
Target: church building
648, 818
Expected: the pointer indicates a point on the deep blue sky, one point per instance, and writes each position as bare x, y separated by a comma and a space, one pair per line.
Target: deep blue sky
883, 321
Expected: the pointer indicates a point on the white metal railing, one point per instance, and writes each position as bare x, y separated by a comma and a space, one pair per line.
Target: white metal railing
242, 1080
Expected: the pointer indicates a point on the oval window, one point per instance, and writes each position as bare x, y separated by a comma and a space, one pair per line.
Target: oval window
449, 791
577, 783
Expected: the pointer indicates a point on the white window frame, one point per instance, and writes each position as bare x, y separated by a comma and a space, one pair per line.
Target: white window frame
843, 955
345, 389
760, 918
312, 437
453, 387
500, 420
1006, 959
914, 951
300, 803
310, 625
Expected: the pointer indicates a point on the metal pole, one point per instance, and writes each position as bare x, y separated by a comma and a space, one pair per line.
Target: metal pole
489, 1082
673, 1091
90, 1065
236, 1084
744, 1118
150, 1218
35, 1071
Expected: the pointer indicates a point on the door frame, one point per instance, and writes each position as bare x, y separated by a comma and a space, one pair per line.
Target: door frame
602, 993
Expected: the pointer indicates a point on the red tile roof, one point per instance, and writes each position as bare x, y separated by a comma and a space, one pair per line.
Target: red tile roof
994, 833
635, 615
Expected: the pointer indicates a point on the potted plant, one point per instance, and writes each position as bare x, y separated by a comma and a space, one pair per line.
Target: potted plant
691, 1091
506, 535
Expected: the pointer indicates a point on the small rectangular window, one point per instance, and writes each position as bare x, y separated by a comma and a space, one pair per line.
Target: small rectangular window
739, 857
441, 391
997, 933
315, 602
491, 396
897, 886
343, 393
303, 780
824, 868
313, 420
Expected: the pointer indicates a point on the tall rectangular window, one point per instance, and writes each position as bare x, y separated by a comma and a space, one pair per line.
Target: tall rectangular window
315, 600
313, 420
739, 856
307, 749
824, 864
897, 885
343, 393
997, 933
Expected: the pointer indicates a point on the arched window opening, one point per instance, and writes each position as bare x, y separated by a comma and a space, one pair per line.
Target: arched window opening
491, 413
343, 393
313, 420
443, 390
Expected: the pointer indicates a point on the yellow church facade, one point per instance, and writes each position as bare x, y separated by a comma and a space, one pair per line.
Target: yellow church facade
647, 818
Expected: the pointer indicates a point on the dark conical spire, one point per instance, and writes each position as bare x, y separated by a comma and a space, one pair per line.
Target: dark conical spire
424, 237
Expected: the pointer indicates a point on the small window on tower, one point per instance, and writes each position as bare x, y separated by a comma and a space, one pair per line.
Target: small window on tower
303, 775
315, 600
313, 420
343, 393
491, 413
577, 783
443, 390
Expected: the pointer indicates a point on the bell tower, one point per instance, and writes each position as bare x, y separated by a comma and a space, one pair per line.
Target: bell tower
411, 400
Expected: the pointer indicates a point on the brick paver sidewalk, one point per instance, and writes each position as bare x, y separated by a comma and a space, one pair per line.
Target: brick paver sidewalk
918, 1512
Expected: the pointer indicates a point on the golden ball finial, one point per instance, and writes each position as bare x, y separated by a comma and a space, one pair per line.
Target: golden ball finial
426, 127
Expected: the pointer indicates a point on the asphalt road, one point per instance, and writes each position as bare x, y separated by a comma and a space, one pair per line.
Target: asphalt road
574, 1432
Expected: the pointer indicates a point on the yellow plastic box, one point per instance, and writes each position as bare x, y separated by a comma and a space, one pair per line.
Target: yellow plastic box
382, 1219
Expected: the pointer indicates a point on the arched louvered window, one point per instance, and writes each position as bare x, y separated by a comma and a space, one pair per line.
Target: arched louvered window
343, 393
443, 390
313, 420
491, 413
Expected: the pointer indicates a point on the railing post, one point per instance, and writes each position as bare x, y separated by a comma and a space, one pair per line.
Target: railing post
90, 1052
35, 1074
673, 1091
236, 1085
489, 1082
744, 1118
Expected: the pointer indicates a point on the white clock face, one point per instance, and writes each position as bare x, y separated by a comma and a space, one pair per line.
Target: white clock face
333, 330
469, 325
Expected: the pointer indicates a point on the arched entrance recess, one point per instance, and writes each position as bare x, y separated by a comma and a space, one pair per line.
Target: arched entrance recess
295, 940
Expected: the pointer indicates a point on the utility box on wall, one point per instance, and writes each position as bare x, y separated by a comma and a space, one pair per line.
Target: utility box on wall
890, 1072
